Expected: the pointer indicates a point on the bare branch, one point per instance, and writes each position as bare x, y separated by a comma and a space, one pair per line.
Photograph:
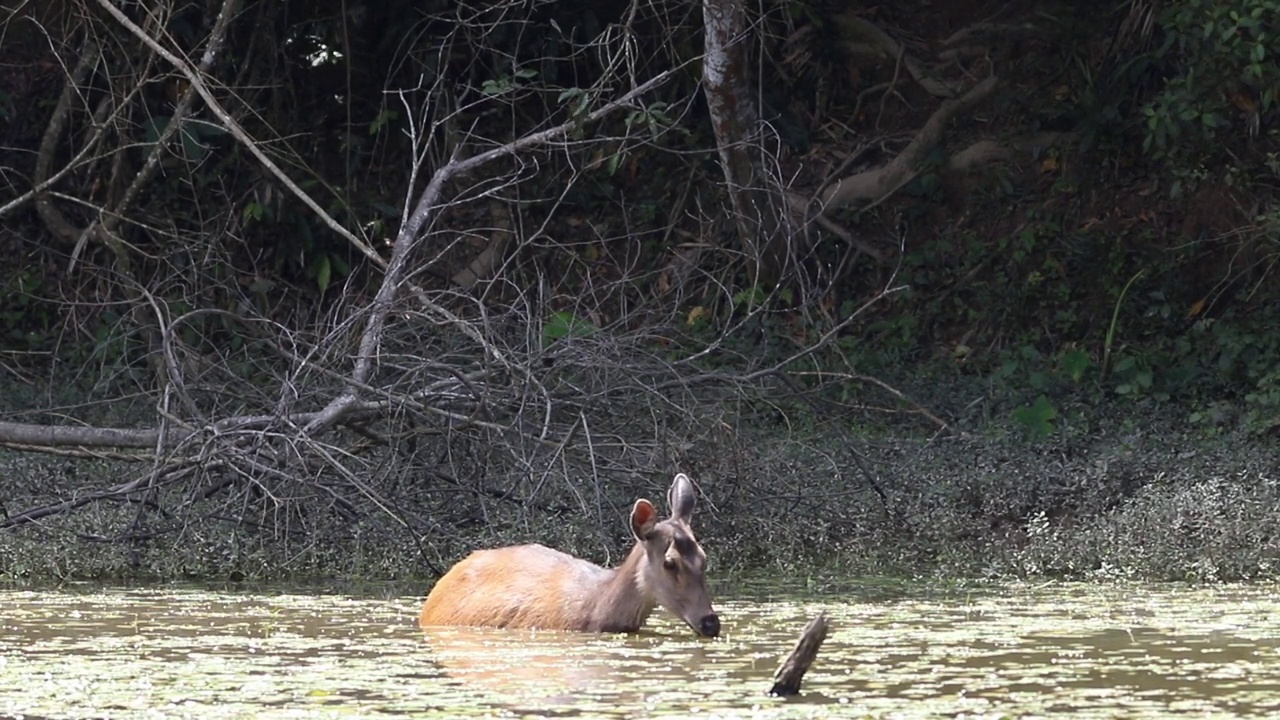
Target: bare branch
872, 186
197, 82
411, 231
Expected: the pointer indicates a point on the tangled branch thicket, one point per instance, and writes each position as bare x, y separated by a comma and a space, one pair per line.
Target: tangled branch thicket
300, 361
342, 286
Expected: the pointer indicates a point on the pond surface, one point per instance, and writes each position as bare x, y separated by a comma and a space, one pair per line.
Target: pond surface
1000, 651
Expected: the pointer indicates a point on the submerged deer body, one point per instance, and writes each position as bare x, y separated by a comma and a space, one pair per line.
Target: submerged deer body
531, 586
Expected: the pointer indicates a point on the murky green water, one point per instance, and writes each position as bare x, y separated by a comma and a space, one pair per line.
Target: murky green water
1013, 651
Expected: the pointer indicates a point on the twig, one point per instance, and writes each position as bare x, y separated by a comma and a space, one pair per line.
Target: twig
33, 514
411, 232
238, 132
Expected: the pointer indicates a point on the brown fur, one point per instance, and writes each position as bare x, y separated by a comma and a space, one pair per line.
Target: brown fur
531, 586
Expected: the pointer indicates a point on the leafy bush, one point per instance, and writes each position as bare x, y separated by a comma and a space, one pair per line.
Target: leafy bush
1226, 55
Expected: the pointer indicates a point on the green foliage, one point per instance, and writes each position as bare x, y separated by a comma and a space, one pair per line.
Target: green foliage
383, 120
1263, 404
1037, 418
897, 337
1240, 355
1024, 371
927, 185
321, 258
1075, 364
749, 298
1226, 370
25, 320
195, 135
580, 108
563, 324
506, 84
1134, 376
1075, 315
656, 118
1226, 52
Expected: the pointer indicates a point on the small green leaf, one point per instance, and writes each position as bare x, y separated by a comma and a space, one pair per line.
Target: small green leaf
192, 148
1075, 363
568, 93
153, 129
1037, 418
382, 120
323, 269
389, 211
564, 324
204, 128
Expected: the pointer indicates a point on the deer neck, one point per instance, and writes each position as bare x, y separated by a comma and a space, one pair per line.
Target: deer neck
622, 602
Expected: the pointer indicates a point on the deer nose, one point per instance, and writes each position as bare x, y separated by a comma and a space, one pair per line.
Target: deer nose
709, 625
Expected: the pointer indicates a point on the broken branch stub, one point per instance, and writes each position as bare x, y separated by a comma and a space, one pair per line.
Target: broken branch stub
786, 681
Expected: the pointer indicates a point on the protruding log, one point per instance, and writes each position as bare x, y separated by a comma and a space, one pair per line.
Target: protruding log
786, 681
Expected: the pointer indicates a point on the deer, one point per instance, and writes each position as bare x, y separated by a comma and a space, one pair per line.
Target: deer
536, 587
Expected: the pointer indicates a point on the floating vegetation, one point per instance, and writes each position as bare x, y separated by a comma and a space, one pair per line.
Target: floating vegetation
996, 651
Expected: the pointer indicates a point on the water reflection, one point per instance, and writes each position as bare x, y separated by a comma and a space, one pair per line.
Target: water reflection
552, 667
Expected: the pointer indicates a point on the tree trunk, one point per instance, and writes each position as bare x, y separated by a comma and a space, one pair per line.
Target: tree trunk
736, 121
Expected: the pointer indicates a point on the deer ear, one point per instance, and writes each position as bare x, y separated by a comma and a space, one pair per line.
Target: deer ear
681, 498
644, 516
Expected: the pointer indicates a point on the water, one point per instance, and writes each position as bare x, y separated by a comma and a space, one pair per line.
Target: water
1005, 651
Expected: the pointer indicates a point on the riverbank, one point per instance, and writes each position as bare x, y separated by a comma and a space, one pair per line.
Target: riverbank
1116, 492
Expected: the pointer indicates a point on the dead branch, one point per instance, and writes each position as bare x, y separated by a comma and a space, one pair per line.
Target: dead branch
965, 35
855, 27
872, 186
33, 514
492, 390
786, 681
193, 76
799, 206
984, 152
110, 218
410, 234
53, 219
483, 265
52, 436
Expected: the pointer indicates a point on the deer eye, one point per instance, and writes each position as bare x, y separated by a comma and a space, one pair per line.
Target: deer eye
669, 564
